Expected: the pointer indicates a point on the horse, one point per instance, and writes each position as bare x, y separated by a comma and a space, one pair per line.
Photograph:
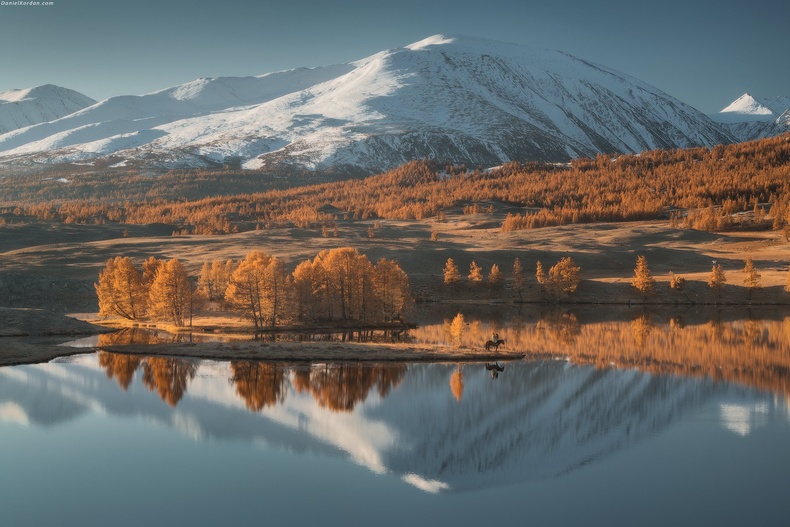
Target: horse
495, 344
494, 369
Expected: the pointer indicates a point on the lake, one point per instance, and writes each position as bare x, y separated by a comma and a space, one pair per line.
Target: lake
651, 420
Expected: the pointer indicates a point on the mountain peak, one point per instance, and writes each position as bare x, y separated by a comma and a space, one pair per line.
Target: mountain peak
752, 117
44, 91
433, 40
21, 108
453, 99
749, 105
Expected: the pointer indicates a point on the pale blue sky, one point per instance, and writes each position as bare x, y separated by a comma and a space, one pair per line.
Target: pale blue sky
706, 53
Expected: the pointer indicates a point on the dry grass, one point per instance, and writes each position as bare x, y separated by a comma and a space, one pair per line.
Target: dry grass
36, 272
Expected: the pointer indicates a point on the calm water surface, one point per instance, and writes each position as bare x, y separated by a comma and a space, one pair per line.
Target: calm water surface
104, 439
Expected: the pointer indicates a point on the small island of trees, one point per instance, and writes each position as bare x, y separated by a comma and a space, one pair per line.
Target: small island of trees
337, 286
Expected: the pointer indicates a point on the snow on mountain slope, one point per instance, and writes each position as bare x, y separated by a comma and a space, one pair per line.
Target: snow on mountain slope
128, 121
451, 99
750, 117
21, 108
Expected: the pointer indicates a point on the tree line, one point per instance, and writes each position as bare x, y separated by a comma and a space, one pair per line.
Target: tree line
338, 285
703, 188
564, 277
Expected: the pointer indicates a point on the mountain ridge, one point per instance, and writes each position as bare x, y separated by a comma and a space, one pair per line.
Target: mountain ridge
21, 108
455, 99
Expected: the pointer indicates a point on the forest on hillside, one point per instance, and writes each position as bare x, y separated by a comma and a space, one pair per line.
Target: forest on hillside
725, 187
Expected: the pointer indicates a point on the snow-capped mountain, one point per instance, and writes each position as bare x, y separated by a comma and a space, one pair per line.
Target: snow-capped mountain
21, 108
449, 99
750, 117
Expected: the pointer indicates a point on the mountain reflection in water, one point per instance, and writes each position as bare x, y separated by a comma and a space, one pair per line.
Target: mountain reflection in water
438, 427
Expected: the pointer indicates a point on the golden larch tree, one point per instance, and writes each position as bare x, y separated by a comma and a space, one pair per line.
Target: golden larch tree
247, 287
456, 328
451, 273
173, 296
676, 282
518, 277
643, 280
752, 279
540, 274
717, 278
391, 288
564, 277
475, 273
495, 277
120, 289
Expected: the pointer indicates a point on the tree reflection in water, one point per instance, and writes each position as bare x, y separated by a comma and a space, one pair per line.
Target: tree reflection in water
259, 384
749, 351
339, 387
121, 367
169, 377
457, 384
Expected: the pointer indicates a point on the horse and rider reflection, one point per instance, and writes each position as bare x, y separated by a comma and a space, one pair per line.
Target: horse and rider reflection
494, 369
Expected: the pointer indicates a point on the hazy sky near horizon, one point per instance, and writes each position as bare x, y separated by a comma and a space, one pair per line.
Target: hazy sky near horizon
705, 53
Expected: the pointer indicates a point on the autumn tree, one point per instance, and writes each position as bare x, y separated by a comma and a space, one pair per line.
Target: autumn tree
451, 273
338, 284
643, 280
391, 288
518, 277
475, 273
308, 286
456, 328
150, 267
258, 288
676, 282
717, 278
173, 296
564, 277
348, 282
540, 274
214, 278
495, 277
120, 290
752, 279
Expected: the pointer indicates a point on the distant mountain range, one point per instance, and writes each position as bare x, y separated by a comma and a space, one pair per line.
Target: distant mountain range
750, 117
448, 99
